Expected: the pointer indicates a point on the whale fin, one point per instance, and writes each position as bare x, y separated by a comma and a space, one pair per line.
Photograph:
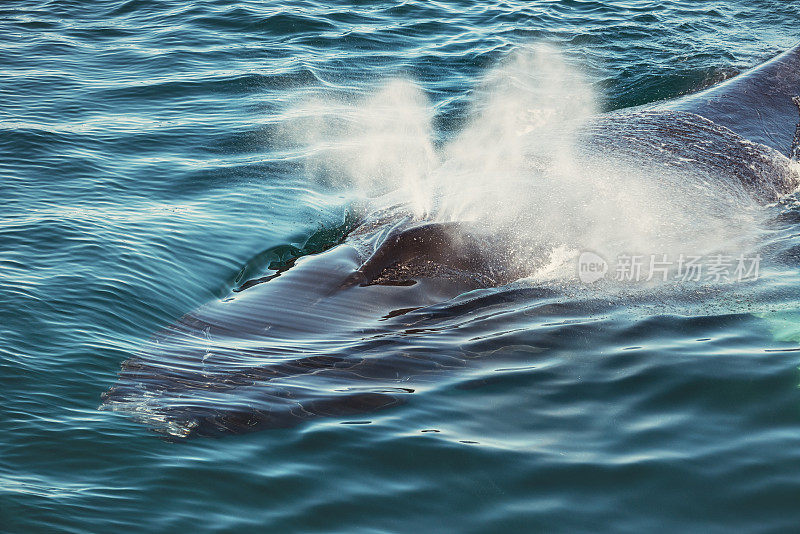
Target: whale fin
756, 104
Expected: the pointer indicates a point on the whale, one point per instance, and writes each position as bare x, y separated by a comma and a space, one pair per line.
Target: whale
318, 338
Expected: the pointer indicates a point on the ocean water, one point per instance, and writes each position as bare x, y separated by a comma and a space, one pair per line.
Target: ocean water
154, 155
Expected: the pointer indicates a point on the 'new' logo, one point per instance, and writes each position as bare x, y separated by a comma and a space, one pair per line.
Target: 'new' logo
591, 267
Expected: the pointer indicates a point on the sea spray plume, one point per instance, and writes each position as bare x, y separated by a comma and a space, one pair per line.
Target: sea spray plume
522, 123
530, 166
384, 142
374, 145
536, 165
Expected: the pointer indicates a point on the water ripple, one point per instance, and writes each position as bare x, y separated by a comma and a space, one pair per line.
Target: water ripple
147, 170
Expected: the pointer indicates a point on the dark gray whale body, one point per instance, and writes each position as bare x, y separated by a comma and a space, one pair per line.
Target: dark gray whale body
315, 341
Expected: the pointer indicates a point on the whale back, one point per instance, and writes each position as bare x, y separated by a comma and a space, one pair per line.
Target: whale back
756, 104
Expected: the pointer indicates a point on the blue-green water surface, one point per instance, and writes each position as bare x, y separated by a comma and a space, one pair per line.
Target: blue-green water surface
143, 173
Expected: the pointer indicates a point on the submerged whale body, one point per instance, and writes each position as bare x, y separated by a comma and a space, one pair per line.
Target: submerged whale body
318, 339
